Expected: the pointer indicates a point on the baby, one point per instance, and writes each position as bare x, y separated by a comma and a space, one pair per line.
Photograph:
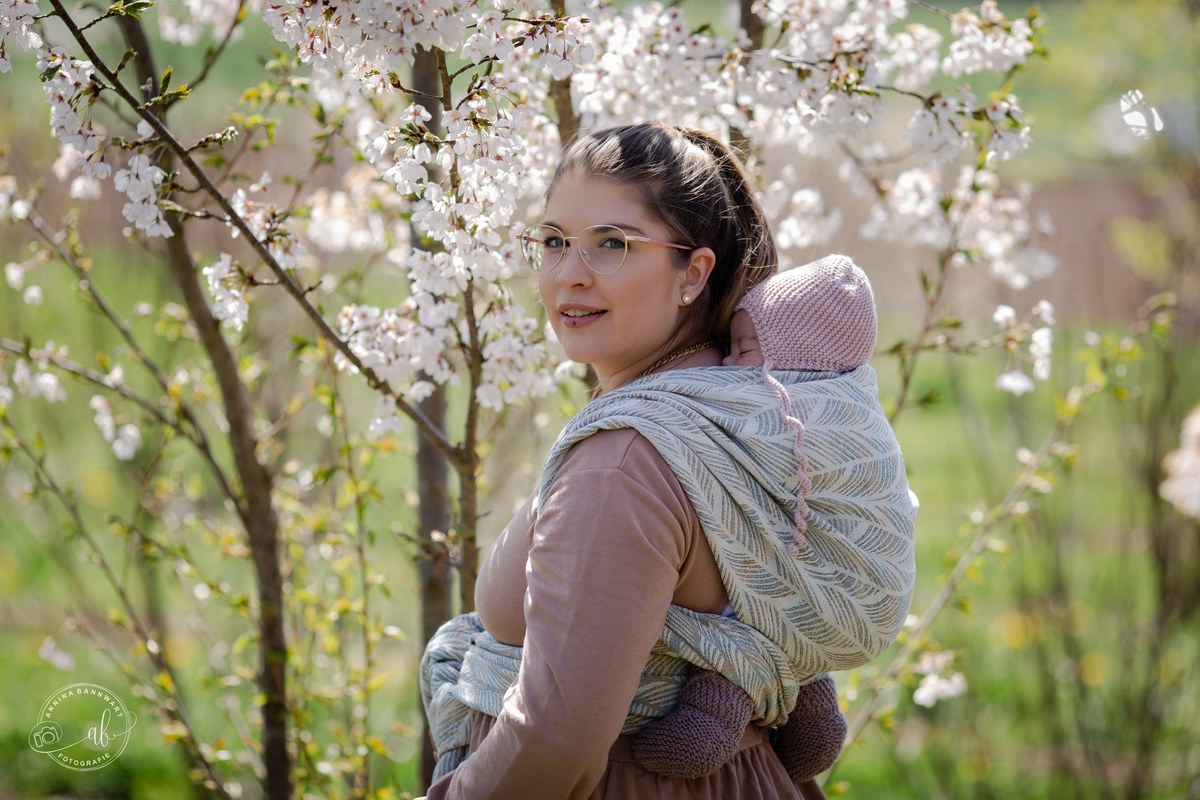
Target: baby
818, 317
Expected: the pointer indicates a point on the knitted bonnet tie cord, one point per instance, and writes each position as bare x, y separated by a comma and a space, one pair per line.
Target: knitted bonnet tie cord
821, 317
793, 422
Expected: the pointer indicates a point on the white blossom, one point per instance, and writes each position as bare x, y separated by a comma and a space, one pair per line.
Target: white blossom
84, 187
1045, 310
55, 656
352, 219
184, 21
115, 376
103, 416
1181, 487
65, 89
8, 188
814, 93
1005, 317
125, 440
807, 221
42, 383
936, 685
1015, 382
995, 226
1039, 349
140, 181
266, 222
1141, 118
15, 18
914, 54
939, 129
986, 42
911, 211
32, 296
513, 368
14, 274
67, 162
227, 285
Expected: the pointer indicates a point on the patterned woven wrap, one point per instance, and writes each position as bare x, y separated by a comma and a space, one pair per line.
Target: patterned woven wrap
836, 604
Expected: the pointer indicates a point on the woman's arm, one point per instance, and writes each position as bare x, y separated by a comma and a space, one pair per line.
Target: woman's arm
605, 557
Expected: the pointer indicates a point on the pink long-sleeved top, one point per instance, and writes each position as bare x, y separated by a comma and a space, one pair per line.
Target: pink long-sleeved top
583, 584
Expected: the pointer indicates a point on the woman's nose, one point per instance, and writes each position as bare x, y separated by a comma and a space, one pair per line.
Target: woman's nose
572, 270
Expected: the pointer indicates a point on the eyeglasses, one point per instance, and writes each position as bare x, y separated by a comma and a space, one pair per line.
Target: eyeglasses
602, 247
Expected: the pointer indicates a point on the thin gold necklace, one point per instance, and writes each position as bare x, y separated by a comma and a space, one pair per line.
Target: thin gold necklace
678, 354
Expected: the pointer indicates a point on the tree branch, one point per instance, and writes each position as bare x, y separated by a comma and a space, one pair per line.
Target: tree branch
426, 428
198, 438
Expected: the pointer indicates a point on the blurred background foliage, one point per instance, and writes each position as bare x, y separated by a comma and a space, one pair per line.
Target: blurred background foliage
1078, 630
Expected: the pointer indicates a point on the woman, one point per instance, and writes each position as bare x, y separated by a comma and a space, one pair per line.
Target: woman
665, 502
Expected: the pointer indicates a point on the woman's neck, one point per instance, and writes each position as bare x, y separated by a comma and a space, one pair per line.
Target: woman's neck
697, 354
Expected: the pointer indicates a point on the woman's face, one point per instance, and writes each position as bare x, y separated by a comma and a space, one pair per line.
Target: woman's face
623, 322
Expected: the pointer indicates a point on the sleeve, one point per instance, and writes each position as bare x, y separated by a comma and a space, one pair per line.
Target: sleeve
605, 558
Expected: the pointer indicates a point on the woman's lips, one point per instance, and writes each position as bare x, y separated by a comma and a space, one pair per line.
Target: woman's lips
580, 317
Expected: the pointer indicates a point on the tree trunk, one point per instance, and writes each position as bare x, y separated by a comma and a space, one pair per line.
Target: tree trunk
433, 565
560, 93
433, 472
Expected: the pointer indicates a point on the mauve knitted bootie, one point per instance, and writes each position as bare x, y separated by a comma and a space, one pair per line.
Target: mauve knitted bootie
701, 734
810, 741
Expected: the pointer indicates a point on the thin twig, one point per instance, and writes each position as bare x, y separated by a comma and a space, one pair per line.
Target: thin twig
214, 55
360, 547
941, 12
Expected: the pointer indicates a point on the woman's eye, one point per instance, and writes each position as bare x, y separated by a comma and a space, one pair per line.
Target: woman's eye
553, 243
611, 243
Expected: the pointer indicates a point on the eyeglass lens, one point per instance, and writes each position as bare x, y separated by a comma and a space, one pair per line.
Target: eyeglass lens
602, 247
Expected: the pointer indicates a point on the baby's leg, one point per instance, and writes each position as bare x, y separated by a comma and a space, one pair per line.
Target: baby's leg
811, 740
701, 734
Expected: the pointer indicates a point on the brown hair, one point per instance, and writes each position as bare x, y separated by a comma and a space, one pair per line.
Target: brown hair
697, 186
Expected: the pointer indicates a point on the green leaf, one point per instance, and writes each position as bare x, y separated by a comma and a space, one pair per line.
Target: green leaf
125, 59
133, 8
166, 98
165, 80
931, 397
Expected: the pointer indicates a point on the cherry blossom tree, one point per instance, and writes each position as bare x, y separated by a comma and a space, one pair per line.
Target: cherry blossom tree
420, 134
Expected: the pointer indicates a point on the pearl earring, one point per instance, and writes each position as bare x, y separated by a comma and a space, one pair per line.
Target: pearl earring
687, 299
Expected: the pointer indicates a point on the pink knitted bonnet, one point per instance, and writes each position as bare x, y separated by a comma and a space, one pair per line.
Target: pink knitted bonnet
820, 316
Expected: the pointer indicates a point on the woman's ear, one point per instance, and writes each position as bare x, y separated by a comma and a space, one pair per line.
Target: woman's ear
694, 277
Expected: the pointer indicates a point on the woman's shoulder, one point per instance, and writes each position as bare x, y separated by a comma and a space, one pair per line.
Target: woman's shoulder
624, 459
618, 449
